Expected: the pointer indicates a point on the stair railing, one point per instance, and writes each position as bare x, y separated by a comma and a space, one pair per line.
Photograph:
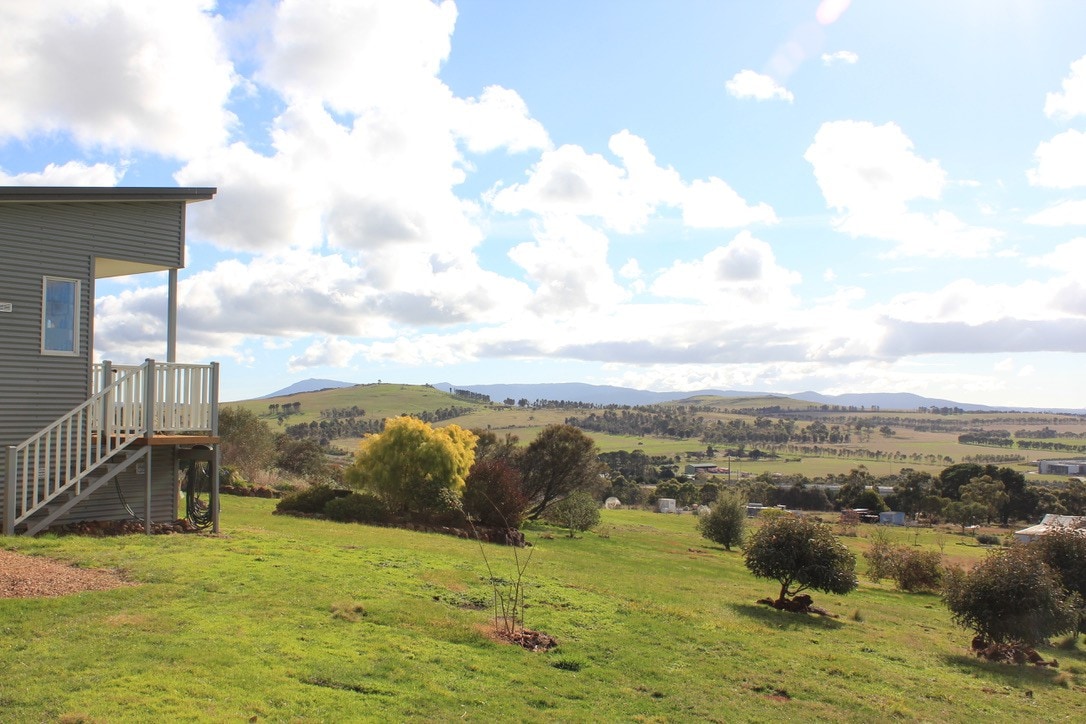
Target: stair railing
129, 402
56, 460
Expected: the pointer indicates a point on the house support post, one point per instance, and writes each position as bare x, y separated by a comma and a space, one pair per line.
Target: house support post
217, 446
147, 493
215, 490
9, 493
171, 317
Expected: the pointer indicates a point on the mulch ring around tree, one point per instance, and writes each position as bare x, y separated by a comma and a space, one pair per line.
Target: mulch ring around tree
1013, 653
800, 604
525, 638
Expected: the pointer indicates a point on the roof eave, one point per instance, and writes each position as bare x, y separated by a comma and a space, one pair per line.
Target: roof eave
43, 194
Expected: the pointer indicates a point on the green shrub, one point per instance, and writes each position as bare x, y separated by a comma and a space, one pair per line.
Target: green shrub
1064, 551
310, 500
987, 539
914, 570
1012, 597
357, 508
725, 522
578, 512
908, 568
880, 556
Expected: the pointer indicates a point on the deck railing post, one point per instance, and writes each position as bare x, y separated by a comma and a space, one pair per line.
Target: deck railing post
9, 493
107, 402
149, 399
213, 401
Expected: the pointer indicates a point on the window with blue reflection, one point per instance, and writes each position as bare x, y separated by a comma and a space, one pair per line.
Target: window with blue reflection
60, 316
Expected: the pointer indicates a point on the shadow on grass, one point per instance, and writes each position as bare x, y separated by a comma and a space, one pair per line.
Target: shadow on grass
785, 619
1013, 673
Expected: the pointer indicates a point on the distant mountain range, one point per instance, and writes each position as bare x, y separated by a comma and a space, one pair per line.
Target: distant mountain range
611, 395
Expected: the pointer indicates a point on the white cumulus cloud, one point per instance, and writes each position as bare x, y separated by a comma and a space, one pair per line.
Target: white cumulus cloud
569, 180
113, 74
840, 56
871, 175
749, 84
1064, 213
1061, 161
1071, 100
72, 173
744, 271
499, 118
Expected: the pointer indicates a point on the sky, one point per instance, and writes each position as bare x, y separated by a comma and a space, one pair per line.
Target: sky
670, 195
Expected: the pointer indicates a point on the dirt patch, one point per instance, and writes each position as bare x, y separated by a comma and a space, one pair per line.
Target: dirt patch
37, 577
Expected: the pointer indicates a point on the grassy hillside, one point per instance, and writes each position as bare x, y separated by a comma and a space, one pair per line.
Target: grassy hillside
908, 445
303, 620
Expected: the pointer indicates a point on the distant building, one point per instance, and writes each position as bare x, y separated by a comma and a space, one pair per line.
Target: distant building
1049, 523
892, 517
666, 505
694, 468
1061, 467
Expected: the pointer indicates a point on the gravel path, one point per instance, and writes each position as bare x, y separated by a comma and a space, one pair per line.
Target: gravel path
36, 576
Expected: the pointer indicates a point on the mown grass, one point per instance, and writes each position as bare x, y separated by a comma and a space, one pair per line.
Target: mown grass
289, 619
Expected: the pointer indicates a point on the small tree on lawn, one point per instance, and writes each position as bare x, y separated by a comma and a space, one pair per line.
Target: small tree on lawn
1012, 598
1064, 551
578, 512
725, 522
800, 553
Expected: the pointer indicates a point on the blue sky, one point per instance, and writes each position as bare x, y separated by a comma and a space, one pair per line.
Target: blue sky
772, 196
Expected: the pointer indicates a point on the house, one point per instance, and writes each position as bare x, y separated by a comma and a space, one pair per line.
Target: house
1049, 523
81, 440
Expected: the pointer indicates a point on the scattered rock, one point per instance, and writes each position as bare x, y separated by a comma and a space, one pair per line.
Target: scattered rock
800, 604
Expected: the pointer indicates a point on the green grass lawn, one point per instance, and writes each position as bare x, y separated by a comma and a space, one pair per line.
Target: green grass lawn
281, 618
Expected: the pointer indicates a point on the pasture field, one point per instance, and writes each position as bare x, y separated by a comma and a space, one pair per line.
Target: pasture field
896, 451
287, 619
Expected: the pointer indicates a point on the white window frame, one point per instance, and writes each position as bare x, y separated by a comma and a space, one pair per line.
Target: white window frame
74, 351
